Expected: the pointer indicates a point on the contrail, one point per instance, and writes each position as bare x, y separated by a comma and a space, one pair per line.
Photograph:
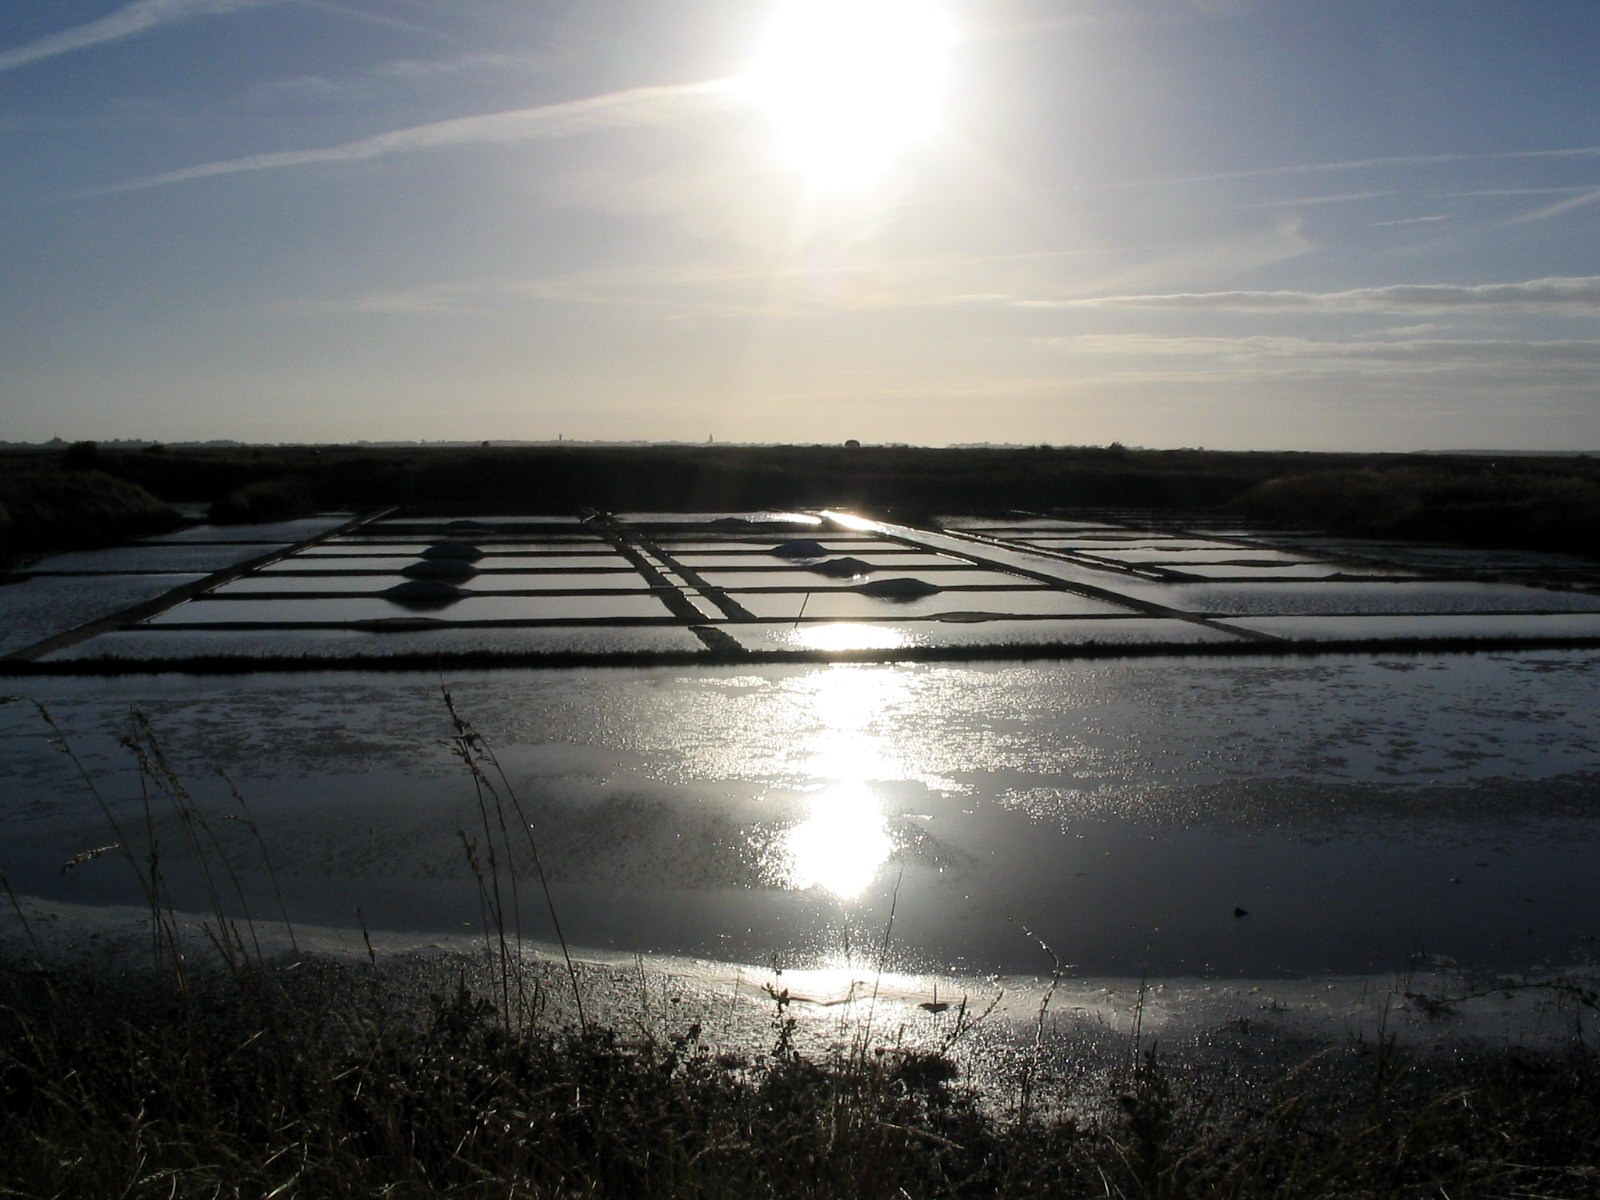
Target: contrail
1356, 164
1559, 208
124, 23
634, 106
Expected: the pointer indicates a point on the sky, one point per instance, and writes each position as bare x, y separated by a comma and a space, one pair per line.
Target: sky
1237, 224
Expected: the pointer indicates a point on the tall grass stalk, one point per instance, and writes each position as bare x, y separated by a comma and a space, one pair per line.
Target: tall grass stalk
495, 789
27, 925
883, 958
163, 927
222, 885
1030, 1064
218, 875
248, 820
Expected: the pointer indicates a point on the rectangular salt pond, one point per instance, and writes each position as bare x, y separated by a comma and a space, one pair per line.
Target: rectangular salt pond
1179, 556
465, 528
1376, 599
1000, 633
800, 579
303, 563
40, 608
282, 533
187, 557
895, 561
487, 549
348, 646
842, 543
1121, 539
1258, 572
992, 528
471, 608
844, 605
1484, 626
623, 579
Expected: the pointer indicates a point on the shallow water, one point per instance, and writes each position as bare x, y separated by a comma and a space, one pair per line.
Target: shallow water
1228, 817
1359, 810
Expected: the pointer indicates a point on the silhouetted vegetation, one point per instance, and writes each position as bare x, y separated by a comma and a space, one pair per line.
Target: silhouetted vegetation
322, 1082
1543, 501
264, 500
1491, 504
68, 509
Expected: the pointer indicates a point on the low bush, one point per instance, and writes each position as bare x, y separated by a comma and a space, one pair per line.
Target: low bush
62, 510
1480, 504
265, 500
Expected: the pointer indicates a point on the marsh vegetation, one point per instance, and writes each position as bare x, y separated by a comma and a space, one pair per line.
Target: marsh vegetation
322, 1081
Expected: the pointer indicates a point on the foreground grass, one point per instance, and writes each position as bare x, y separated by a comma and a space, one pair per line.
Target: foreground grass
332, 1086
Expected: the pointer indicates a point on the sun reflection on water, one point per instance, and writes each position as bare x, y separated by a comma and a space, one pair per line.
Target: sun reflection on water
843, 840
838, 636
841, 844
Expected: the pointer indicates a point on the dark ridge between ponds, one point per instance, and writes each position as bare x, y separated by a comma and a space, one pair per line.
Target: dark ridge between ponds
727, 655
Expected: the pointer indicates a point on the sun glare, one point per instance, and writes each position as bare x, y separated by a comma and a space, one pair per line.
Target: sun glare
844, 839
851, 84
841, 844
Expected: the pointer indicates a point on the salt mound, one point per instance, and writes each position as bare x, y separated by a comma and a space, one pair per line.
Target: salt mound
902, 587
424, 593
439, 568
801, 548
463, 551
842, 568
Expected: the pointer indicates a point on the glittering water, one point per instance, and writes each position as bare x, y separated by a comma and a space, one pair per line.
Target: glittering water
1226, 817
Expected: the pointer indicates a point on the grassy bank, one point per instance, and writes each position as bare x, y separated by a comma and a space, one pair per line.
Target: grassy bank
320, 1081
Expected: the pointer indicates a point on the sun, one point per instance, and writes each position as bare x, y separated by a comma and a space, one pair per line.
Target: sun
850, 85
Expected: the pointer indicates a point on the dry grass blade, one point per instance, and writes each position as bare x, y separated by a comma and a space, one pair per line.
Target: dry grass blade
473, 750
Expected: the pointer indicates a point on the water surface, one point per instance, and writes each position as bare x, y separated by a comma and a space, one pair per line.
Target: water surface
1227, 818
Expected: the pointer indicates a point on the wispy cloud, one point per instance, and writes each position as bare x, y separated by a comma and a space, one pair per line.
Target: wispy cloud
1336, 198
1427, 220
1125, 357
1207, 261
1342, 166
1559, 208
635, 106
126, 22
393, 74
1577, 295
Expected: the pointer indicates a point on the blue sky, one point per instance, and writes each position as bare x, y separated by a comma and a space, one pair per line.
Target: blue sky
1242, 224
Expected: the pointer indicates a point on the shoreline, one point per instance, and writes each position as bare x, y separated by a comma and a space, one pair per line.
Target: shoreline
1200, 1021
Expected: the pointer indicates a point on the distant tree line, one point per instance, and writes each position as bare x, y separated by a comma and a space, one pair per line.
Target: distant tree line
1535, 501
